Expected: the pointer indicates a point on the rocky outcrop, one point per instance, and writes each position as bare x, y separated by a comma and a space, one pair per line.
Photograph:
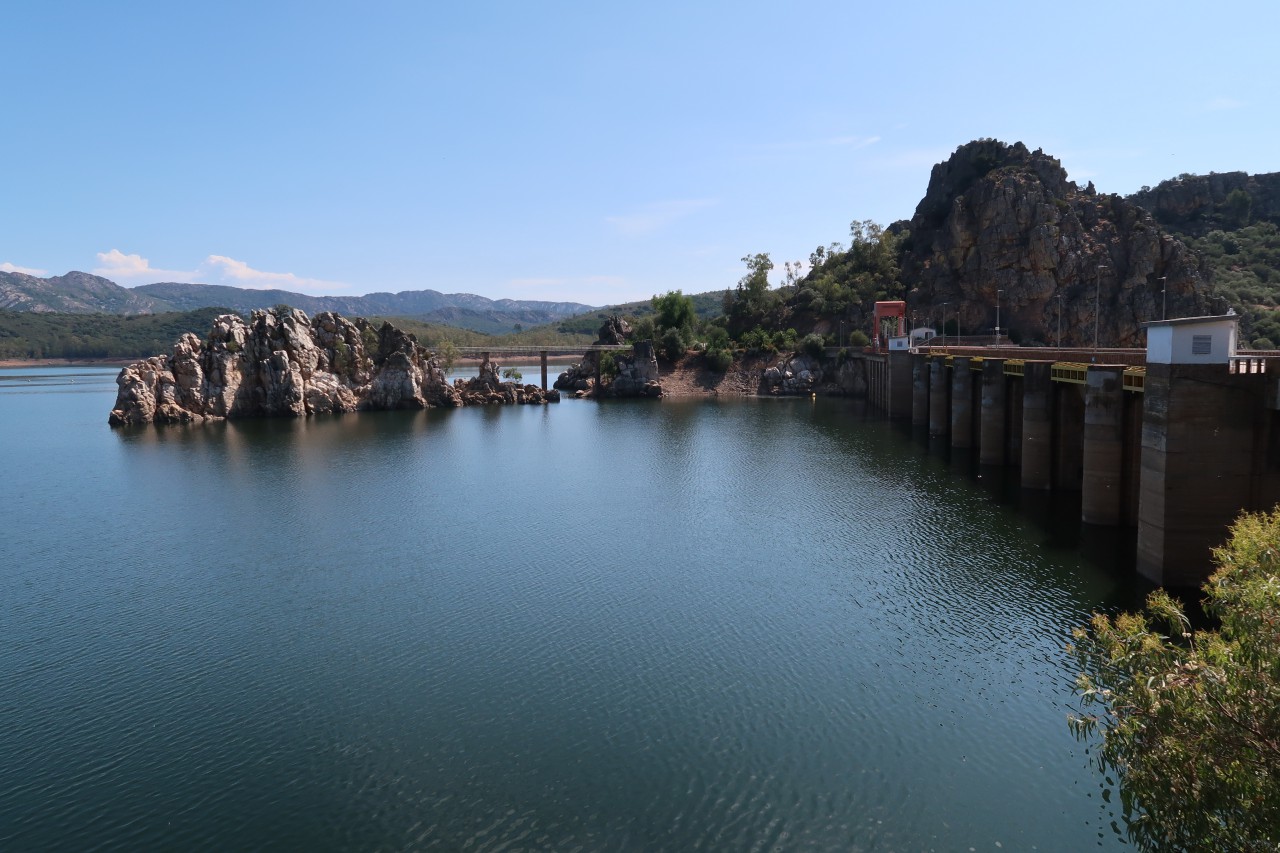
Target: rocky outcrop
1196, 204
793, 374
800, 373
1001, 222
487, 389
281, 364
633, 374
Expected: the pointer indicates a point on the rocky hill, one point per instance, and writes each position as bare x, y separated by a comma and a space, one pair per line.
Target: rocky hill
1197, 204
82, 293
1232, 221
74, 293
1002, 218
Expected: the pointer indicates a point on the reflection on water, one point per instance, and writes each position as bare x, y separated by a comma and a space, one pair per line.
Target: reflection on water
676, 625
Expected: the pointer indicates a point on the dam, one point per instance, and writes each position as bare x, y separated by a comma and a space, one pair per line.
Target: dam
1175, 440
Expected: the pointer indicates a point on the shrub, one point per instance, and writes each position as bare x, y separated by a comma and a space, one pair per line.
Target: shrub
1188, 720
608, 366
672, 345
813, 344
858, 338
719, 360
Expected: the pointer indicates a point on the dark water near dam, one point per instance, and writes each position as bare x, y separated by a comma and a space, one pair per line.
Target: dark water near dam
674, 625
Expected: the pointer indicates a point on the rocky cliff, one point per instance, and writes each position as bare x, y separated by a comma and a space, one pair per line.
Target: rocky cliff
280, 363
1196, 204
1000, 219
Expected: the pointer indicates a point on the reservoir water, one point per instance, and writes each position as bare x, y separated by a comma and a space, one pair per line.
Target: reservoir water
673, 625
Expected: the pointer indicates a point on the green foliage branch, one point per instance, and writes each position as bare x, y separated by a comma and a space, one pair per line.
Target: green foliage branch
1189, 721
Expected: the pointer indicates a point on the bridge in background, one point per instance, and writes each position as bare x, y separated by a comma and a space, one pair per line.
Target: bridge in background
542, 353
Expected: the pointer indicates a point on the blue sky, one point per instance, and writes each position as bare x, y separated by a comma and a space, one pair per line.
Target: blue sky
590, 152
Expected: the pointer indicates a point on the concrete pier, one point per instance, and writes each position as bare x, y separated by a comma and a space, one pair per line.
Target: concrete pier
994, 415
1198, 437
1102, 498
919, 390
961, 404
1037, 425
939, 398
1068, 436
901, 385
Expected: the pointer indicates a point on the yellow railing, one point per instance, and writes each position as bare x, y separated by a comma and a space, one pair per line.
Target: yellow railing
1069, 371
1134, 379
1013, 366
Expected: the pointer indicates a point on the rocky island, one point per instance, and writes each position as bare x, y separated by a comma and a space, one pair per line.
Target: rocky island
280, 363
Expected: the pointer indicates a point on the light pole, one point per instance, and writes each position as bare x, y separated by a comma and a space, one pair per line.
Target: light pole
998, 292
944, 324
1164, 297
1059, 298
1097, 289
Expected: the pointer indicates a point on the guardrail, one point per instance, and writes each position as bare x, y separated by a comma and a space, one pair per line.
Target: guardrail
1134, 379
1068, 371
1250, 364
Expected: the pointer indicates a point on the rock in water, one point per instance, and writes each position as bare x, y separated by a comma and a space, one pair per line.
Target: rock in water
282, 364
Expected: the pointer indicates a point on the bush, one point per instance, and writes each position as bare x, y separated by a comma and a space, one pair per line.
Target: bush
1189, 721
643, 329
512, 374
672, 345
814, 345
719, 360
858, 338
716, 338
608, 366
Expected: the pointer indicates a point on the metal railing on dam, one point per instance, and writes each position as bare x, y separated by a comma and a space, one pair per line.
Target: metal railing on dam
1174, 448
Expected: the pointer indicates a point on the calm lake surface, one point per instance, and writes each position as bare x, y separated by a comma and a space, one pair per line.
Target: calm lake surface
675, 625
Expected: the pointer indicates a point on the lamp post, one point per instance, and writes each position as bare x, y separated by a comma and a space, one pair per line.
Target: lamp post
944, 324
1097, 289
1164, 297
998, 292
1059, 298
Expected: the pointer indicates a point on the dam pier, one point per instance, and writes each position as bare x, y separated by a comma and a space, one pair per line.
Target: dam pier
1175, 440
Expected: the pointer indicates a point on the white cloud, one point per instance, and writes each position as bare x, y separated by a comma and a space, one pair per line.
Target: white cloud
240, 274
117, 265
653, 217
8, 267
216, 269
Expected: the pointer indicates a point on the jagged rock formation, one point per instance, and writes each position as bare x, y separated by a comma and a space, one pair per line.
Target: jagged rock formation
1196, 204
793, 374
487, 388
800, 373
998, 217
280, 363
636, 372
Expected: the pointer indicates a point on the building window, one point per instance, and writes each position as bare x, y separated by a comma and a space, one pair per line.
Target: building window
1201, 344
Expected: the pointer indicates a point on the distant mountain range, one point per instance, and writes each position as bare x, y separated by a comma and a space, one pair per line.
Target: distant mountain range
82, 293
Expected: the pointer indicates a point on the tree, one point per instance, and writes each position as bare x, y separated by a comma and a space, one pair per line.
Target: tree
447, 352
1238, 205
674, 310
1190, 724
749, 303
